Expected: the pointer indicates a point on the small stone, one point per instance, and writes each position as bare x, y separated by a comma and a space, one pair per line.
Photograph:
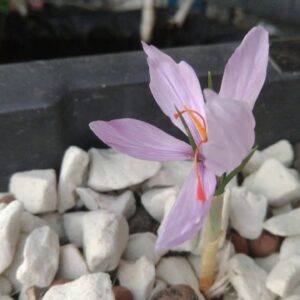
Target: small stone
41, 256
11, 271
142, 222
73, 170
5, 286
195, 262
7, 198
247, 278
176, 270
29, 222
254, 163
282, 151
297, 156
290, 246
55, 222
72, 224
142, 244
265, 245
111, 170
71, 263
275, 182
36, 189
176, 292
138, 277
268, 262
156, 199
6, 297
123, 204
240, 243
285, 276
247, 212
172, 173
90, 286
105, 236
159, 285
281, 209
287, 224
9, 232
122, 293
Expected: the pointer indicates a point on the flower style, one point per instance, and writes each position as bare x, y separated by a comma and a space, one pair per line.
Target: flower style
221, 127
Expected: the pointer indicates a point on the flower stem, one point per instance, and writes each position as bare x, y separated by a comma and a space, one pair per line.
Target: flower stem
211, 234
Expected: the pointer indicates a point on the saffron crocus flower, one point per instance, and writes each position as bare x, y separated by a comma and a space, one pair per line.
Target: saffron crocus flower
222, 128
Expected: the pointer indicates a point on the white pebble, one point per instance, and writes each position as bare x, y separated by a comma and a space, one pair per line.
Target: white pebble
29, 222
73, 170
11, 271
290, 246
159, 285
54, 221
5, 286
123, 204
71, 263
156, 199
41, 256
247, 278
105, 236
138, 277
275, 182
172, 173
110, 170
36, 189
281, 151
285, 224
91, 287
268, 262
10, 223
281, 209
142, 244
72, 224
176, 270
285, 276
247, 212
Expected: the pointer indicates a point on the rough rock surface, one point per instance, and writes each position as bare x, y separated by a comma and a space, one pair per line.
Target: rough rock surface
142, 244
41, 256
155, 201
72, 172
110, 170
275, 182
248, 279
285, 276
72, 224
95, 286
138, 277
247, 212
36, 189
105, 236
287, 224
71, 263
123, 204
10, 223
176, 270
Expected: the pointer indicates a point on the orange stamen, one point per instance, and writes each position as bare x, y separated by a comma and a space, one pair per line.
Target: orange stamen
202, 132
200, 192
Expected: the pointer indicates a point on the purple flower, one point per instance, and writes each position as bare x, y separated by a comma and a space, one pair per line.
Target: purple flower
222, 128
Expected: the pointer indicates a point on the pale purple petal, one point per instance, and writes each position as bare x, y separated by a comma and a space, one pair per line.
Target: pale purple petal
245, 71
231, 135
209, 94
141, 140
187, 214
174, 85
